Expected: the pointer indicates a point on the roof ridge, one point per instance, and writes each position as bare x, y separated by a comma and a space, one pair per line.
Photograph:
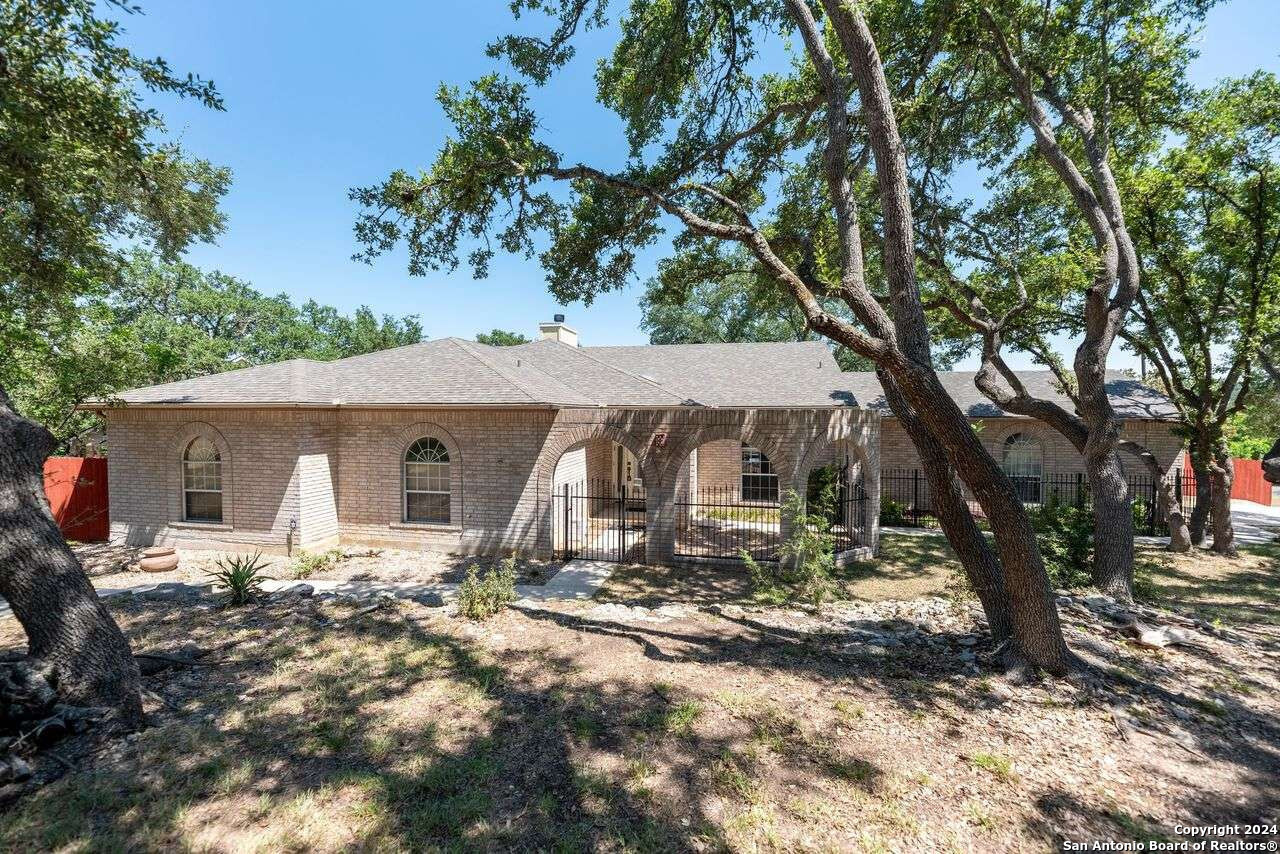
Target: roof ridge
679, 397
382, 352
465, 346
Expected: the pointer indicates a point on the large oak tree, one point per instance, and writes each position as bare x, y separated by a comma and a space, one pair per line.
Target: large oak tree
84, 171
738, 159
1208, 227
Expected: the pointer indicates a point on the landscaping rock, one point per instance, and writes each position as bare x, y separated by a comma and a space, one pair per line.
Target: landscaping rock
170, 591
293, 591
13, 770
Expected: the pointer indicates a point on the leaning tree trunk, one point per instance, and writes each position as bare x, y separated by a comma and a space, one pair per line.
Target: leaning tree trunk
1037, 632
1222, 474
66, 624
1169, 502
980, 565
1204, 490
1112, 517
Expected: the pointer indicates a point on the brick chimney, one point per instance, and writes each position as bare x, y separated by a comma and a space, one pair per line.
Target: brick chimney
558, 330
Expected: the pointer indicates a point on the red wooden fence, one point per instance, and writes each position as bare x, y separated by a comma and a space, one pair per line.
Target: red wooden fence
77, 491
1249, 484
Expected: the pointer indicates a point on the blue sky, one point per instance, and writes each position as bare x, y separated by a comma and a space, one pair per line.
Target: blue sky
323, 96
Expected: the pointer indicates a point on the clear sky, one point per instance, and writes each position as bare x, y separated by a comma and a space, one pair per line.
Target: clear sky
322, 96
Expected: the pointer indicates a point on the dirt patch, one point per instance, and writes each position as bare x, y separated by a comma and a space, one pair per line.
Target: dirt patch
677, 727
910, 566
111, 565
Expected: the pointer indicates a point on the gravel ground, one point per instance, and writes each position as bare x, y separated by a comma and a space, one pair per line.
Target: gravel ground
114, 565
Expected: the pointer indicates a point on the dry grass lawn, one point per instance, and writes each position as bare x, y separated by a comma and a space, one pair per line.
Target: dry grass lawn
724, 729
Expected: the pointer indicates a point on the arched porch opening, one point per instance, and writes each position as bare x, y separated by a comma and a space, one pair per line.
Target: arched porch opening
596, 495
835, 483
728, 487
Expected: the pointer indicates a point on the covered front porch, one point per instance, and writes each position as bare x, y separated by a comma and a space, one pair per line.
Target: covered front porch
707, 485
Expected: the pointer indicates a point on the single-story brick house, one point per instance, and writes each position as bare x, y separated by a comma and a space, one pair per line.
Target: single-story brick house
649, 453
463, 447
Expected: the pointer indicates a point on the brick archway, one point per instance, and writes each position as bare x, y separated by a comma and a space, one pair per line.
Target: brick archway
745, 432
561, 441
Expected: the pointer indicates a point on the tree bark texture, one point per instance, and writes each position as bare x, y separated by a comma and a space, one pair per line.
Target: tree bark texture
980, 565
1271, 463
66, 624
1168, 500
1222, 474
1204, 489
1112, 571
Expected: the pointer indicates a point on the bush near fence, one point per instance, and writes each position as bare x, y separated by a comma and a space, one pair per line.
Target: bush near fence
906, 500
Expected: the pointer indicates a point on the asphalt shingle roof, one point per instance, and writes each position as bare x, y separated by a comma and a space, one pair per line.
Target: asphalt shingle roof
451, 371
1129, 396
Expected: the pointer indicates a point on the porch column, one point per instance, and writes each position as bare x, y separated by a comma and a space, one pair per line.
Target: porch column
660, 524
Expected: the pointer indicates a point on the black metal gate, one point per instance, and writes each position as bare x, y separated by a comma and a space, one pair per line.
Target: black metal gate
849, 525
718, 523
597, 520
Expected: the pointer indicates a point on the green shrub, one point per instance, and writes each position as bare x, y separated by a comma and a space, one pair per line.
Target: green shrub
479, 598
806, 559
892, 512
1249, 447
307, 564
1065, 535
1141, 513
241, 576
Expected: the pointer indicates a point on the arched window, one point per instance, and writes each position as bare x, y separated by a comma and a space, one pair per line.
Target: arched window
1024, 463
759, 482
426, 482
201, 482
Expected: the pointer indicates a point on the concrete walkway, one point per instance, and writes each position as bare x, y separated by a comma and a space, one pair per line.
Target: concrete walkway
576, 580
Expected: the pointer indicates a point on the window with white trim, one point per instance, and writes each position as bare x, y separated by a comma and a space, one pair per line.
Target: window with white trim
759, 482
427, 482
201, 482
1023, 462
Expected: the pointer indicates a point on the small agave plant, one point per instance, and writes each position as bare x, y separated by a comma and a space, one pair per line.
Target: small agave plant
241, 576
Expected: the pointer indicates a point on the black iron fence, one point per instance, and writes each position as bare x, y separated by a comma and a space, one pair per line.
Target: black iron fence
597, 520
906, 499
718, 523
849, 527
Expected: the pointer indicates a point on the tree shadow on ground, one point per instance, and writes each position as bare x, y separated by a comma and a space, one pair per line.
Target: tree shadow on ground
1239, 591
402, 728
396, 732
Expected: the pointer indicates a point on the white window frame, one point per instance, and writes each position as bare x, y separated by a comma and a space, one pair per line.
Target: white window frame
446, 463
1026, 470
769, 475
187, 476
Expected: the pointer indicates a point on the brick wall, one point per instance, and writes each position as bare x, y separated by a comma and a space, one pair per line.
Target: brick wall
308, 478
897, 452
260, 475
720, 468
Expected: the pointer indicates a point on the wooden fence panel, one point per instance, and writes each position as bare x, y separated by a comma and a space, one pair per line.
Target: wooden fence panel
1249, 484
77, 492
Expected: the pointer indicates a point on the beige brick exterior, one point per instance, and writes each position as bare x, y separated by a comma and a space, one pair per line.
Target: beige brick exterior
309, 477
897, 452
